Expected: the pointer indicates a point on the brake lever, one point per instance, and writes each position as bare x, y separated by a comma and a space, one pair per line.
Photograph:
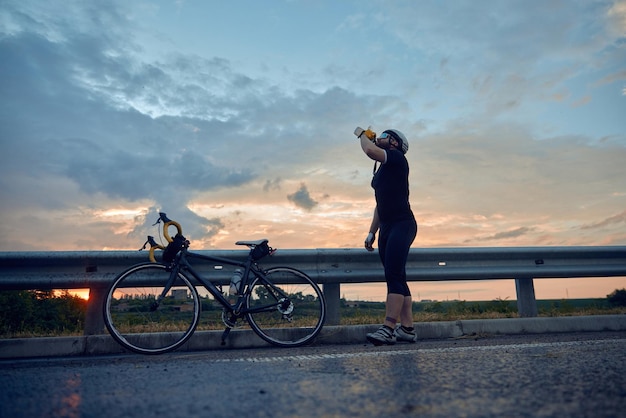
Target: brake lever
163, 217
150, 241
143, 247
153, 246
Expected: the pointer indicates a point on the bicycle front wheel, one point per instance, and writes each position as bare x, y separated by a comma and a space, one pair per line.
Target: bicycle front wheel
146, 315
287, 310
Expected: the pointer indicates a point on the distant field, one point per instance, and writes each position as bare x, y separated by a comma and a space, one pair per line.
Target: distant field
64, 315
356, 312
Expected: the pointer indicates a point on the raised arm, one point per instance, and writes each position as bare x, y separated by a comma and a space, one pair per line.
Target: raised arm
372, 150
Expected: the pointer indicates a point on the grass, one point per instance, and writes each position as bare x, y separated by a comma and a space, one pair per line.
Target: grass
364, 313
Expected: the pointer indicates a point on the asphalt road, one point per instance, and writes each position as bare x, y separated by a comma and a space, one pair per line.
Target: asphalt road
546, 375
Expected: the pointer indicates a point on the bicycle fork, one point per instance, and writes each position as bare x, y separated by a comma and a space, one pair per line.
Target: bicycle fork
157, 302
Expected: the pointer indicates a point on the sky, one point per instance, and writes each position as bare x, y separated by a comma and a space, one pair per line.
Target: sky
236, 119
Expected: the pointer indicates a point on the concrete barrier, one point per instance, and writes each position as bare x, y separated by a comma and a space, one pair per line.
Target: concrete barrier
210, 340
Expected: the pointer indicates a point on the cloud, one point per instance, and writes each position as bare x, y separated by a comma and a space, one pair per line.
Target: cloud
612, 78
302, 198
612, 220
480, 184
514, 233
121, 173
103, 148
197, 228
95, 123
617, 17
499, 58
272, 184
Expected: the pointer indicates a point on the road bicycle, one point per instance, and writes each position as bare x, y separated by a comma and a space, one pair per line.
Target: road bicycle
155, 307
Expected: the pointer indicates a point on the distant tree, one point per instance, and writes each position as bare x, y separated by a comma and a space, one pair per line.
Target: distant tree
617, 297
261, 293
36, 312
16, 310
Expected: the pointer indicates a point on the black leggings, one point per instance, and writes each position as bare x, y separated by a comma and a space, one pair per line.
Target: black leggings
394, 242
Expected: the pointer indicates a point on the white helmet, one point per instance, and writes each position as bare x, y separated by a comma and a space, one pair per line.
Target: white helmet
399, 136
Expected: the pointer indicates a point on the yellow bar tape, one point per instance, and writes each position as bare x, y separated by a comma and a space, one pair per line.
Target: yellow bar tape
166, 233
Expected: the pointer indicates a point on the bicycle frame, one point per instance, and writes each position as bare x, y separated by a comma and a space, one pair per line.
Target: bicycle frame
181, 263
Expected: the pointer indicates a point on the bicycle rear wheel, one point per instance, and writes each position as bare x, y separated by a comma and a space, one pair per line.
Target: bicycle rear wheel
289, 321
144, 317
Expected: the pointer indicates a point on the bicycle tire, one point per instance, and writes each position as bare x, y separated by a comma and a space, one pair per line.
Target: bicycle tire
137, 323
290, 323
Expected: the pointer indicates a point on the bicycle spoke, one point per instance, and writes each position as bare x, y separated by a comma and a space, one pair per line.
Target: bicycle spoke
289, 312
145, 316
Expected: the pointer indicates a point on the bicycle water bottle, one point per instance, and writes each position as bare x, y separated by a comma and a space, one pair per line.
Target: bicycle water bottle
235, 281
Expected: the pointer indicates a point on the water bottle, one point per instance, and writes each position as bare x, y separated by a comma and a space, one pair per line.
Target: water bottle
235, 281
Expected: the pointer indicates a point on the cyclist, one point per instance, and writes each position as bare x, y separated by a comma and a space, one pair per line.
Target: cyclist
395, 221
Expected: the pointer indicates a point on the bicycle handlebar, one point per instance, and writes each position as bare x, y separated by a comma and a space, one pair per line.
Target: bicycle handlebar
259, 249
167, 222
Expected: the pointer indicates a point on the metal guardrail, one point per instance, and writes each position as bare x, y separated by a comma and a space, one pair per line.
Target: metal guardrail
95, 270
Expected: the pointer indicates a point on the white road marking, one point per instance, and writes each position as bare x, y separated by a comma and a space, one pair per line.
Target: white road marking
309, 357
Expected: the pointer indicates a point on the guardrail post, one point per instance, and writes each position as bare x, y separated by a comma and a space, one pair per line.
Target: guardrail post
526, 302
331, 293
94, 323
